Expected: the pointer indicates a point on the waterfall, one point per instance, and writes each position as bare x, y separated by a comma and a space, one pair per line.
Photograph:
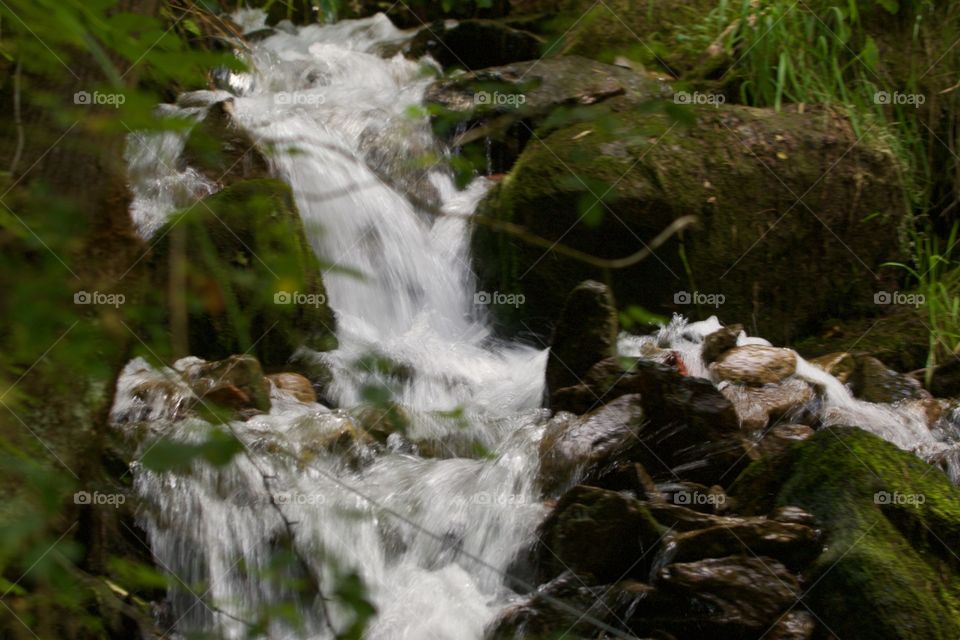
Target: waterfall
431, 537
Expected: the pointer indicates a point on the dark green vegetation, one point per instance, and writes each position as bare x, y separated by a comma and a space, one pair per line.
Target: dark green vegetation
893, 524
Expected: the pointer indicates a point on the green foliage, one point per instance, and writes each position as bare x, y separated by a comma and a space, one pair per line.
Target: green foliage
935, 271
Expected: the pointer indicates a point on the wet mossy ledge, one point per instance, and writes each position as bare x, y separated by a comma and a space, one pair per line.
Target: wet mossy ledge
892, 524
796, 216
235, 273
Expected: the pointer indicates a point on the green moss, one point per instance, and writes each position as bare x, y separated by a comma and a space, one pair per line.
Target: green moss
781, 265
888, 570
237, 251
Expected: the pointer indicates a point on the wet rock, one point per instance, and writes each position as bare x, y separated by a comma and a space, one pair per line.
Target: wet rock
236, 383
675, 426
779, 438
220, 149
793, 514
795, 545
759, 406
693, 496
794, 625
294, 384
601, 535
565, 606
840, 365
888, 551
745, 255
493, 111
755, 364
475, 44
573, 449
746, 592
382, 420
218, 270
719, 342
585, 334
874, 382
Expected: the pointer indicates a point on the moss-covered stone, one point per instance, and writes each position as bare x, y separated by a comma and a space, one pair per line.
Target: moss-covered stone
642, 30
891, 521
236, 274
780, 264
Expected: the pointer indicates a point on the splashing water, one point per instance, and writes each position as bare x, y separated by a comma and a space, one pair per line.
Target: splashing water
905, 424
431, 538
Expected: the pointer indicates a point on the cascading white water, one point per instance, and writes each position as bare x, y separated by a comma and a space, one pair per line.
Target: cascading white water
905, 424
430, 538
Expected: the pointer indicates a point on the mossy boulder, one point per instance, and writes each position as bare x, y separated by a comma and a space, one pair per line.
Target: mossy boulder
796, 216
236, 274
641, 30
892, 523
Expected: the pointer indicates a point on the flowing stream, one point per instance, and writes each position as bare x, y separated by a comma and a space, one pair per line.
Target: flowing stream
432, 538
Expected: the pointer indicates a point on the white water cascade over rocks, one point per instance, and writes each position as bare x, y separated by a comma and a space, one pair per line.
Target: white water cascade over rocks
431, 536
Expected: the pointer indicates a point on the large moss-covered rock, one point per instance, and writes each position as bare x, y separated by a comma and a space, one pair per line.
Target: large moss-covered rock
892, 525
236, 274
642, 30
796, 216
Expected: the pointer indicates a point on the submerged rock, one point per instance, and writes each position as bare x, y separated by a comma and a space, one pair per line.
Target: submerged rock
236, 383
758, 406
755, 364
222, 150
295, 385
